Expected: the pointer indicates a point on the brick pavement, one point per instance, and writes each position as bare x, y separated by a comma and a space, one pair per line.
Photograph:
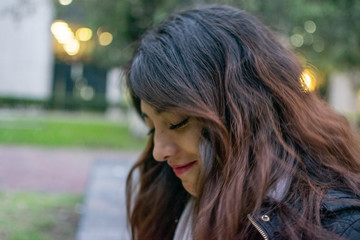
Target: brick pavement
51, 169
99, 174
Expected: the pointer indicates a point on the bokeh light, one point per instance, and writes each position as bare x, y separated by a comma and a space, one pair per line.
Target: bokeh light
310, 26
61, 31
65, 2
84, 34
318, 45
105, 38
297, 40
308, 80
87, 93
64, 35
72, 47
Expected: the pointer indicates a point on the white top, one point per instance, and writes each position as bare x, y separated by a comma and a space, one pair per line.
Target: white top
184, 228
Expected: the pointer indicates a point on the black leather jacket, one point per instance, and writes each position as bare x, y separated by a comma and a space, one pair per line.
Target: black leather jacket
341, 217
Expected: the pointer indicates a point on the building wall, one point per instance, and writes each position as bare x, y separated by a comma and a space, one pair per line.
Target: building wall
26, 56
114, 86
343, 87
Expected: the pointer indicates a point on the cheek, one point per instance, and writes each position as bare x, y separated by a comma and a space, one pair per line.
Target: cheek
188, 140
190, 144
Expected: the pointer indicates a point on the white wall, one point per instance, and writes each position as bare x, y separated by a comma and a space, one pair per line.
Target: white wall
343, 88
26, 55
114, 85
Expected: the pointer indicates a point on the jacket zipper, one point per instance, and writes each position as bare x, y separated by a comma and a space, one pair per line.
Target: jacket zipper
263, 234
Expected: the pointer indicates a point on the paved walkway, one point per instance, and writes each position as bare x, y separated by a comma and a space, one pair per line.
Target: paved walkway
99, 174
104, 215
52, 169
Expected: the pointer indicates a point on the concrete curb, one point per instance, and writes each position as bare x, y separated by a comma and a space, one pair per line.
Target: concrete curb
104, 210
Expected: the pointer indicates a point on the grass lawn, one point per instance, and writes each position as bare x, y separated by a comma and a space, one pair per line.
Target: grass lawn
73, 130
38, 216
44, 216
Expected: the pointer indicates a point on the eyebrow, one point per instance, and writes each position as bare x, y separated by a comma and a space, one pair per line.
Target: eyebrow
144, 115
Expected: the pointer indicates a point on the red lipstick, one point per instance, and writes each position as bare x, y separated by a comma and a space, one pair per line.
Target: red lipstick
180, 169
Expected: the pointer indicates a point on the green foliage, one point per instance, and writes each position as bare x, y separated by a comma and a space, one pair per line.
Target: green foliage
9, 102
127, 20
97, 104
334, 44
38, 216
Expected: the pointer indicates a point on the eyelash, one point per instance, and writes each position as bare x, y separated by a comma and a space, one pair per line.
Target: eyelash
172, 126
151, 131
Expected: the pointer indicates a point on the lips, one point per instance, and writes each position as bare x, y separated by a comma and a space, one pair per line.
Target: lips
180, 169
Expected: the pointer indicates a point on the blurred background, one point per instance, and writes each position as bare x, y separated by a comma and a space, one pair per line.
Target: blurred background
64, 109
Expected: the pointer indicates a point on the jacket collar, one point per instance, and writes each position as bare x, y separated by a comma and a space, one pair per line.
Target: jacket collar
267, 221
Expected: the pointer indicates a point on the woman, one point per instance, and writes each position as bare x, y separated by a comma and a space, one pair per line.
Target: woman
238, 148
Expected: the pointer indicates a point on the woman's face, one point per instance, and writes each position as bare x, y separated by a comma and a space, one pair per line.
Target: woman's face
176, 141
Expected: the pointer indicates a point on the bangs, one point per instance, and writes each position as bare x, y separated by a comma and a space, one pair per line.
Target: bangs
176, 69
157, 78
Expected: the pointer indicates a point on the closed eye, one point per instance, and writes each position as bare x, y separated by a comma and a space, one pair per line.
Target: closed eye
180, 124
151, 131
172, 126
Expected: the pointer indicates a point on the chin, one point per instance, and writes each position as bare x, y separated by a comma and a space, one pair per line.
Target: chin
190, 190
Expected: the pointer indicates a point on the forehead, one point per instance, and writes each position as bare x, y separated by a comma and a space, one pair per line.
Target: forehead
146, 108
148, 111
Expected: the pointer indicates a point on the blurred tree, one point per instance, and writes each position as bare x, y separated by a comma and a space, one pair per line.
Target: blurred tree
325, 32
126, 20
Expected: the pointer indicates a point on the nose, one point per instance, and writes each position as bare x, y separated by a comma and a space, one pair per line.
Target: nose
164, 147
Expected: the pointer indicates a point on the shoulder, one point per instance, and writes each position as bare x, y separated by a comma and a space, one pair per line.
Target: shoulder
341, 214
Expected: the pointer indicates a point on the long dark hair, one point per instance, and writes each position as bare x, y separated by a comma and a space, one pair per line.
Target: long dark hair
223, 67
